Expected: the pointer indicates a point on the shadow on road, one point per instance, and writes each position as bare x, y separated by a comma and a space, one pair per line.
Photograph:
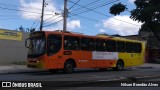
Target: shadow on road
78, 71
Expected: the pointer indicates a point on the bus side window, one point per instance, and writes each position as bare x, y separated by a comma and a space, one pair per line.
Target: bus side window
120, 46
137, 47
91, 44
100, 45
53, 44
111, 45
87, 44
129, 47
71, 43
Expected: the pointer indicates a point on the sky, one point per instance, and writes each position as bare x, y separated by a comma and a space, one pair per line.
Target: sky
89, 17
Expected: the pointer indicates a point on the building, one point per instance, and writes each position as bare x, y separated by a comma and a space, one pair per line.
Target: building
152, 46
12, 46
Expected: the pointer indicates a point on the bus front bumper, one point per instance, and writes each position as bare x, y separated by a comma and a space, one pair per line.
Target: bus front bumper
38, 65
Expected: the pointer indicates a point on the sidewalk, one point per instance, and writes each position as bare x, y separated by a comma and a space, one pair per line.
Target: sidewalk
5, 69
149, 65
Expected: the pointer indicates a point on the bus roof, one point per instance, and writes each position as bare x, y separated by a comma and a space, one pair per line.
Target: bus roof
119, 38
97, 36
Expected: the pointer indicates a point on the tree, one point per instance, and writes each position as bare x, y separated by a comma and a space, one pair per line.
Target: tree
146, 11
22, 29
32, 30
116, 9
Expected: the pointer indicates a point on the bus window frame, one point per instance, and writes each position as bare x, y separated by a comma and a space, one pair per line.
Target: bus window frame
71, 47
102, 47
88, 46
122, 47
60, 46
131, 47
109, 47
139, 51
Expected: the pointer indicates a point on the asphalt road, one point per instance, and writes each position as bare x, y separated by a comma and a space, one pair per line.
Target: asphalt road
90, 77
83, 75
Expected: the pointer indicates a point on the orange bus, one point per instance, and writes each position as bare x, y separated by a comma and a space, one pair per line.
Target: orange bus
66, 51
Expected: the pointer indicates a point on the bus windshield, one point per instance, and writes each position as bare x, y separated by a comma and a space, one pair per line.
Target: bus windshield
37, 46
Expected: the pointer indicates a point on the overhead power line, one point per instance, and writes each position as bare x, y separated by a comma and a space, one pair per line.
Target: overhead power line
21, 10
89, 9
85, 5
90, 28
52, 19
52, 23
73, 5
94, 7
8, 4
48, 19
4, 4
95, 20
9, 18
38, 22
35, 22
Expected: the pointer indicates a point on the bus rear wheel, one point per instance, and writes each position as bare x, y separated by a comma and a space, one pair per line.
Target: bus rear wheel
68, 67
119, 66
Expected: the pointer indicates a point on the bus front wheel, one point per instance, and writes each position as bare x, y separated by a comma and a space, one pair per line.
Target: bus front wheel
68, 67
119, 66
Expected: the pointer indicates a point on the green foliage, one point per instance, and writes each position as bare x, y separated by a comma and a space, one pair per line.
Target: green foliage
146, 11
22, 29
116, 9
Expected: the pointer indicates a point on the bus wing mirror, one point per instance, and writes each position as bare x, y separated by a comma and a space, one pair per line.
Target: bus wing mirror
27, 42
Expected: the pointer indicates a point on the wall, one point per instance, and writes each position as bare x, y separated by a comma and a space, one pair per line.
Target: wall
13, 51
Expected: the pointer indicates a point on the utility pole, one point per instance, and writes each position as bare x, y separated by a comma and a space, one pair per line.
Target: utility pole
65, 16
41, 24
